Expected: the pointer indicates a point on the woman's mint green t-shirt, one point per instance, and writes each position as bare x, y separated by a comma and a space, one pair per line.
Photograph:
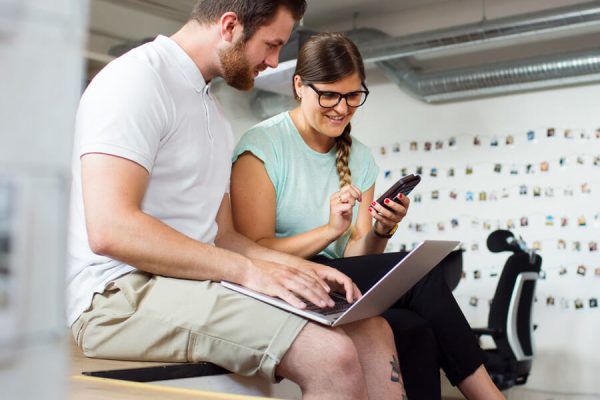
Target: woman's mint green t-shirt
304, 179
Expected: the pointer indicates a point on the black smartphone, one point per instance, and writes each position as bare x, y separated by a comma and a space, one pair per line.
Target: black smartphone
404, 185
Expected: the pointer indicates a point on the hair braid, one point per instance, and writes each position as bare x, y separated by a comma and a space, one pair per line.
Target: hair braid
342, 157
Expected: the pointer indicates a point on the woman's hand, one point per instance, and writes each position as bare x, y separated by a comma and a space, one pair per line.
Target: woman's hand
386, 219
340, 210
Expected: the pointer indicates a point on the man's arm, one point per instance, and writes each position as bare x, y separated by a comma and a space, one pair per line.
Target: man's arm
229, 238
113, 190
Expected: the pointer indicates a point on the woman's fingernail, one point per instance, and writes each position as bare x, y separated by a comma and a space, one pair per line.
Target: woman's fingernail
387, 201
374, 203
400, 196
370, 209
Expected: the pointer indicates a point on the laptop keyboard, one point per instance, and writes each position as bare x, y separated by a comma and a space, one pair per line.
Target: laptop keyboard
341, 305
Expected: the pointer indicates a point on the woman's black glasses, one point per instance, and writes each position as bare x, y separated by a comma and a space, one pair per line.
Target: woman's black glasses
328, 99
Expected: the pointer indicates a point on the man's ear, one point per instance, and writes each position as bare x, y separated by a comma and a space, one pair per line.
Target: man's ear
229, 24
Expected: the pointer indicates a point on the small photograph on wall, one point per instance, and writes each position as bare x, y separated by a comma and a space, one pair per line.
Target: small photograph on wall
510, 224
452, 142
494, 142
564, 221
453, 195
434, 172
568, 192
476, 141
450, 171
441, 226
531, 136
536, 245
593, 302
514, 170
544, 166
6, 199
550, 301
414, 146
523, 190
510, 140
562, 162
585, 188
578, 304
419, 170
581, 221
550, 132
469, 170
581, 270
549, 192
427, 146
537, 191
454, 223
404, 171
561, 244
435, 194
497, 168
396, 147
549, 220
529, 169
469, 196
568, 134
593, 246
439, 144
576, 245
382, 150
524, 221
580, 160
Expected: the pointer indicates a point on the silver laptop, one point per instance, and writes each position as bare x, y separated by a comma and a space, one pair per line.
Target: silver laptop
408, 271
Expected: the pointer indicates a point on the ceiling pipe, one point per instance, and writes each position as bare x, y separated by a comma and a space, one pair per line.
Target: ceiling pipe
557, 19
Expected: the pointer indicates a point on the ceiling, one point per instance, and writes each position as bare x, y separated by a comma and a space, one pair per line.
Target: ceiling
318, 12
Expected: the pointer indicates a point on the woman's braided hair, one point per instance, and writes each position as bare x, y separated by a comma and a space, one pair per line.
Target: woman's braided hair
327, 58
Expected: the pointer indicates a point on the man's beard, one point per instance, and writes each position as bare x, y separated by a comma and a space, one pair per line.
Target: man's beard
237, 71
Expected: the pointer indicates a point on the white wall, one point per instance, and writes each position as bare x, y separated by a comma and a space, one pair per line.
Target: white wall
566, 338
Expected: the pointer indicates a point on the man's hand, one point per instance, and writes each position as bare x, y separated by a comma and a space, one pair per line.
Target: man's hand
292, 284
339, 281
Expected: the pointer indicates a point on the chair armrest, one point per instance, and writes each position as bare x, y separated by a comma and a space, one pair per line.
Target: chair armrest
487, 332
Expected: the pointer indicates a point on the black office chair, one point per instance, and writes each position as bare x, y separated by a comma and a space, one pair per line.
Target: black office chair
509, 321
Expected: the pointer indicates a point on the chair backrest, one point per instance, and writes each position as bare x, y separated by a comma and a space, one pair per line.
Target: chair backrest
511, 307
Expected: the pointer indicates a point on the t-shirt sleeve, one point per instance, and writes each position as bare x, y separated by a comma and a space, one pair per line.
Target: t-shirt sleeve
257, 142
124, 112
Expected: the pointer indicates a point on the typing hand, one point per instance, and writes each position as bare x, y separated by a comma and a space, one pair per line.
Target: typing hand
288, 283
335, 279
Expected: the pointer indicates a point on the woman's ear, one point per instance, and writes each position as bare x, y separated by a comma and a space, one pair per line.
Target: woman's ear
298, 86
228, 24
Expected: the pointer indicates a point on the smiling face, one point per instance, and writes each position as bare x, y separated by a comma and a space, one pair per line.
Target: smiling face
328, 122
244, 60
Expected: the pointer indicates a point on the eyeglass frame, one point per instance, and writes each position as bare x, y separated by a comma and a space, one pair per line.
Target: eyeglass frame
341, 95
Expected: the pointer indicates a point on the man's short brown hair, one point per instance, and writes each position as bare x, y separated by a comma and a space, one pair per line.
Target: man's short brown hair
252, 13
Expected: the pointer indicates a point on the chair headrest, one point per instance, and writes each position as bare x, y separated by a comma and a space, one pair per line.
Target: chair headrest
503, 240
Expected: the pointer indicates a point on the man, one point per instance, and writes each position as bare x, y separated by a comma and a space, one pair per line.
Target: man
151, 233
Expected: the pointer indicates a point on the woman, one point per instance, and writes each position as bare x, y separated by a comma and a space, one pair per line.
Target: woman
301, 184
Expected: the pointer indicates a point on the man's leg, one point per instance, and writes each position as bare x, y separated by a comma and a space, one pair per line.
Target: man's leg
374, 342
325, 364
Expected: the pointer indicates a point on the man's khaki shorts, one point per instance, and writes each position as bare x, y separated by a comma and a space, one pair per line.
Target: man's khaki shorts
153, 318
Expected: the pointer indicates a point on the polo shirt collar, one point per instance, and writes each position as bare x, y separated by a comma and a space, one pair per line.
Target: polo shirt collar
183, 61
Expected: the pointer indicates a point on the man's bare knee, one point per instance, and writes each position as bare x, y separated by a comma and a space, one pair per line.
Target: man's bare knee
324, 360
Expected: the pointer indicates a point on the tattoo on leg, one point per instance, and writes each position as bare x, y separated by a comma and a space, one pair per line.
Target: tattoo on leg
395, 369
396, 377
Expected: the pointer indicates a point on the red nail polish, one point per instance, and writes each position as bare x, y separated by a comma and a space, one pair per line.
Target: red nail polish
400, 196
374, 203
370, 209
387, 201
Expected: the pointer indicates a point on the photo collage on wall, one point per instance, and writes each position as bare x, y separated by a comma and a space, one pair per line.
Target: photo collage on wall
568, 172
